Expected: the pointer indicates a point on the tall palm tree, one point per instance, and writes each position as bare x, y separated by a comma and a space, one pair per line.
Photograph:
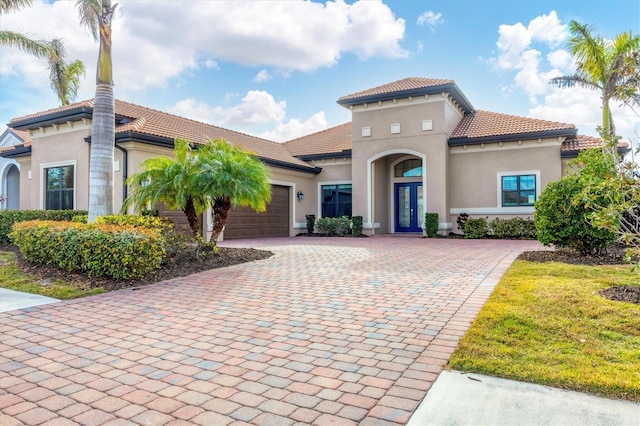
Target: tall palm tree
96, 15
64, 76
610, 66
37, 48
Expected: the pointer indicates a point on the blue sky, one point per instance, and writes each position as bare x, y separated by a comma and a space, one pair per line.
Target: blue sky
276, 68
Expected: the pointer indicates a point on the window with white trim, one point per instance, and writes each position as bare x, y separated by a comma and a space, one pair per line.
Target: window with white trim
59, 187
518, 190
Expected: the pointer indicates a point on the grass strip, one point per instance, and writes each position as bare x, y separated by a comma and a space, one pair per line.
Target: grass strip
546, 323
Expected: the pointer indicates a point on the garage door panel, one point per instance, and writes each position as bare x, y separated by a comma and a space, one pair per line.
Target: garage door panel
243, 222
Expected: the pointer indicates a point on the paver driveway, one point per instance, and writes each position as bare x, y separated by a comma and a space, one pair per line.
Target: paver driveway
328, 330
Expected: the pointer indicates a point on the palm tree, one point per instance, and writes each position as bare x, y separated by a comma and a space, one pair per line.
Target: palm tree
170, 181
39, 49
610, 66
232, 176
216, 175
64, 76
96, 15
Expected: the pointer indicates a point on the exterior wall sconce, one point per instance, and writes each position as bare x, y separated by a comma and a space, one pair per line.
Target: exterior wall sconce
300, 195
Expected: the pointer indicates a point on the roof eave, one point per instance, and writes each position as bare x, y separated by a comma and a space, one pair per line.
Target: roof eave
346, 153
573, 153
60, 117
450, 88
512, 137
17, 152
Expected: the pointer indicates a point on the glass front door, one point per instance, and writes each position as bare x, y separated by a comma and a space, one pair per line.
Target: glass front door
409, 207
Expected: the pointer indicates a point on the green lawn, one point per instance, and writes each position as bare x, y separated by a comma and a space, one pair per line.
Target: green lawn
546, 323
12, 278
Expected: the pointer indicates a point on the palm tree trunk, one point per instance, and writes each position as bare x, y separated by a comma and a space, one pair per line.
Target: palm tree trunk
220, 211
101, 159
192, 217
102, 128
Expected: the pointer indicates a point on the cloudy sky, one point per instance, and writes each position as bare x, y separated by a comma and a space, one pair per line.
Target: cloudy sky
276, 68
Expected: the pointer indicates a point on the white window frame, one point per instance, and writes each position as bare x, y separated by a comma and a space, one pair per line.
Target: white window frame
43, 177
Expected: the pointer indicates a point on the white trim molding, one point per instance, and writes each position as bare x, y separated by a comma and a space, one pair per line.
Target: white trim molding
494, 210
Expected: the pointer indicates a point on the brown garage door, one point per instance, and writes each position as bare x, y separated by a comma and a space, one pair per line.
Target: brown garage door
243, 222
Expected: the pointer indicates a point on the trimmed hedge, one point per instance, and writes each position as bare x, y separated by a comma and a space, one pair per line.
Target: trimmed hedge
9, 217
516, 228
431, 224
116, 251
331, 226
356, 226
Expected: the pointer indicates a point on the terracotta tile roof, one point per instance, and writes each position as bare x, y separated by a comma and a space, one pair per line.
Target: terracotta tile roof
571, 146
22, 134
485, 124
151, 122
406, 84
329, 141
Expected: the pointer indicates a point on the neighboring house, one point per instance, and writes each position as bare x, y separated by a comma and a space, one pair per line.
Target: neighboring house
413, 146
10, 169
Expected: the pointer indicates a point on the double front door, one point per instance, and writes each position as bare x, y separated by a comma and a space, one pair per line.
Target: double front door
409, 207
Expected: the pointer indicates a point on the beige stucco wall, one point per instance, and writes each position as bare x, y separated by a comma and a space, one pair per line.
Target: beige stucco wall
475, 170
382, 148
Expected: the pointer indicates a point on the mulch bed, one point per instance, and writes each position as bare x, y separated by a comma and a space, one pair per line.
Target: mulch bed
179, 267
614, 256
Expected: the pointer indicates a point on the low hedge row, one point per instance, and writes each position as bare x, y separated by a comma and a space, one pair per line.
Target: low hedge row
116, 251
338, 226
9, 217
516, 228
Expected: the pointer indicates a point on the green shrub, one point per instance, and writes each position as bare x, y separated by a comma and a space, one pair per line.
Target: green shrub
517, 228
311, 222
9, 217
144, 221
81, 218
431, 224
115, 251
475, 228
356, 226
331, 226
562, 219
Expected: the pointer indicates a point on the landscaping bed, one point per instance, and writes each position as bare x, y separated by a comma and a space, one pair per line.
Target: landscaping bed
179, 267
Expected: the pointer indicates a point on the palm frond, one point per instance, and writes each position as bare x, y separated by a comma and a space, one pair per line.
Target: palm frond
13, 5
37, 48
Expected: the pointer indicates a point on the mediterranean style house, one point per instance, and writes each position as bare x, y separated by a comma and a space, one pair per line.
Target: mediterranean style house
413, 146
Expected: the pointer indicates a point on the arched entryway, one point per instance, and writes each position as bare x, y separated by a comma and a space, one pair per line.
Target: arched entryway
11, 187
396, 191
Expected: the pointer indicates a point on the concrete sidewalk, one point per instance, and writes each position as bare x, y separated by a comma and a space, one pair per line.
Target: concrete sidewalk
465, 398
11, 300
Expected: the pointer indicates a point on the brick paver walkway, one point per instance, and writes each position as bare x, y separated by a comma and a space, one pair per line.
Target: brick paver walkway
328, 331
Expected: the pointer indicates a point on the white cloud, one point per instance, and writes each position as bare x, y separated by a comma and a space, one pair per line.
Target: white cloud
256, 111
561, 60
430, 18
262, 76
152, 45
548, 29
257, 107
295, 128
